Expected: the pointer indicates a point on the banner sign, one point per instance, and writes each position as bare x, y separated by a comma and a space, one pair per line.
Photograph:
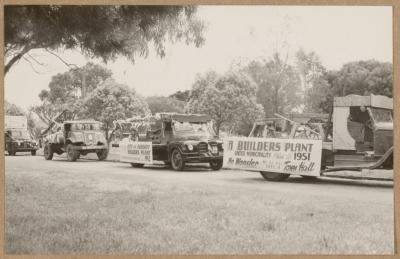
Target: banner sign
292, 156
135, 152
15, 122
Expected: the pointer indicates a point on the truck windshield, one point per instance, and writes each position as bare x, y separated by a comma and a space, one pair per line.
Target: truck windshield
194, 129
85, 126
20, 134
381, 115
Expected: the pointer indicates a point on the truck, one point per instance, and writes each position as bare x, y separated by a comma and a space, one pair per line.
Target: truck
17, 137
74, 137
357, 135
173, 138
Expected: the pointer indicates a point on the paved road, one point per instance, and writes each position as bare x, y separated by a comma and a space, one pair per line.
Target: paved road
358, 201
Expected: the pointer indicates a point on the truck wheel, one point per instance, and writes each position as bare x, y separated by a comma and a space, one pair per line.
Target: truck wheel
177, 160
216, 165
102, 154
274, 177
11, 151
48, 152
137, 165
72, 155
33, 152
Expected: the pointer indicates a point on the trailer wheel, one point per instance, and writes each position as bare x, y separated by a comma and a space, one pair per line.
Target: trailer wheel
177, 160
48, 152
274, 177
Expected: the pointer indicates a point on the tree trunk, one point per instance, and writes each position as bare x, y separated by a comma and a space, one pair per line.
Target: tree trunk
14, 60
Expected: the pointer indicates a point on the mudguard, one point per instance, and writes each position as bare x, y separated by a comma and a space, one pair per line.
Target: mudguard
385, 162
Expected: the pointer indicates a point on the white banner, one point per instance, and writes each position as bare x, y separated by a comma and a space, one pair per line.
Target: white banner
135, 152
15, 122
292, 156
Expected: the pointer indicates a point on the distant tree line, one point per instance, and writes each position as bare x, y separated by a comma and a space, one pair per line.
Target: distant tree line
234, 99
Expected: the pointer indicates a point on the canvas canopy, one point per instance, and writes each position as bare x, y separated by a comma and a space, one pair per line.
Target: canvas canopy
378, 101
191, 117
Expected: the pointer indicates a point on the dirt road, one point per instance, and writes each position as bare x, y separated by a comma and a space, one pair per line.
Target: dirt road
94, 207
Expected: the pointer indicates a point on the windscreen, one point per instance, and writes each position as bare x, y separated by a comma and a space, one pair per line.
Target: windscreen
194, 129
381, 115
85, 126
20, 134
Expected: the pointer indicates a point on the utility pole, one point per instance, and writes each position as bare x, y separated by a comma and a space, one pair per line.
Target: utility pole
83, 83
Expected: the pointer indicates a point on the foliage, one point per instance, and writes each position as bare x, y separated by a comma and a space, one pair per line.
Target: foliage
181, 95
363, 77
313, 81
98, 31
278, 85
165, 104
66, 90
229, 99
112, 101
12, 109
360, 77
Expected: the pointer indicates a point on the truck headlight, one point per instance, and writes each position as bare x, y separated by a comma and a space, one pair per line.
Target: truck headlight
190, 147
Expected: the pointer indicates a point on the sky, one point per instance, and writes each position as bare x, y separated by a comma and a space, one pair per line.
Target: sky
337, 34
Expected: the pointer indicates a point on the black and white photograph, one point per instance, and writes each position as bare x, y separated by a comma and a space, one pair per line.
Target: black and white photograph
198, 130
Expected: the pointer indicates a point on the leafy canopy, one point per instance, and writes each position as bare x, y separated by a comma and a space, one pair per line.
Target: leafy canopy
229, 99
165, 104
98, 31
66, 89
278, 85
112, 101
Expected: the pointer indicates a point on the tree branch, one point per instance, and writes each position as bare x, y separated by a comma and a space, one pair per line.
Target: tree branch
16, 58
34, 59
30, 63
70, 65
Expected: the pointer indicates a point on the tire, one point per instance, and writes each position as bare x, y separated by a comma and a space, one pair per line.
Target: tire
33, 152
102, 154
137, 165
11, 151
177, 162
216, 165
274, 177
48, 152
72, 155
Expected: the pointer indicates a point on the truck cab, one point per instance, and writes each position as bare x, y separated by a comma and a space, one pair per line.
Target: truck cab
178, 139
362, 129
19, 140
76, 138
356, 135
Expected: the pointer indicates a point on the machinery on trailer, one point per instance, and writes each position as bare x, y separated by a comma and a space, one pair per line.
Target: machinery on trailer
17, 137
176, 139
356, 135
74, 137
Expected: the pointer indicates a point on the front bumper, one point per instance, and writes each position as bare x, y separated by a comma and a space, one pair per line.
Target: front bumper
91, 147
24, 147
196, 157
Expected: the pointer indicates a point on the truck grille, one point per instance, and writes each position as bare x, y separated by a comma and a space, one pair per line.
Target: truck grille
203, 147
90, 138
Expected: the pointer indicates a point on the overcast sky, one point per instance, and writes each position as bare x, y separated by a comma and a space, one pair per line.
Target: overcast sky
234, 34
